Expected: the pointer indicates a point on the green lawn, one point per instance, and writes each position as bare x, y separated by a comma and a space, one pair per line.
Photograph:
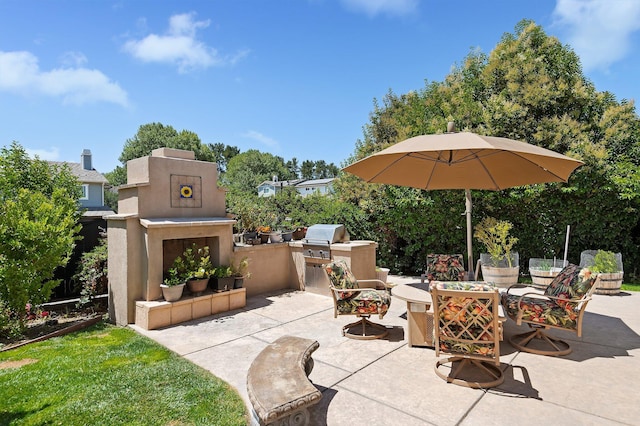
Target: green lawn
630, 287
108, 375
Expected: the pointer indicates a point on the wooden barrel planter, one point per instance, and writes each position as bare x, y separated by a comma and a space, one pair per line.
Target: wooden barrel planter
541, 279
501, 277
609, 283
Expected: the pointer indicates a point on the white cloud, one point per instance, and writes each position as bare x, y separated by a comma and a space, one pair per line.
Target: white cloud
73, 59
52, 154
599, 31
180, 46
21, 74
263, 139
376, 7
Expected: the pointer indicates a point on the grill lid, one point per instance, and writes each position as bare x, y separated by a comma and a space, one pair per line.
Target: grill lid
325, 232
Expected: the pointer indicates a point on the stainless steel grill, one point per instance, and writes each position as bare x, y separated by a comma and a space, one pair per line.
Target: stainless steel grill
317, 252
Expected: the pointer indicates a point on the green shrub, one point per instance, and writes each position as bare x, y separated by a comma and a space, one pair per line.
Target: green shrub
91, 275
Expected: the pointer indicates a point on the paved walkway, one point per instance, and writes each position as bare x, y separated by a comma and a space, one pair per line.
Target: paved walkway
384, 382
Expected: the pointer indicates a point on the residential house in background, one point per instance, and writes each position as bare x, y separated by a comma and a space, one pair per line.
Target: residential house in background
269, 188
315, 186
92, 221
304, 187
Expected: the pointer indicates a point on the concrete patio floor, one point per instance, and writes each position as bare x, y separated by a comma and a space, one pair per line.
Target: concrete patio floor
385, 382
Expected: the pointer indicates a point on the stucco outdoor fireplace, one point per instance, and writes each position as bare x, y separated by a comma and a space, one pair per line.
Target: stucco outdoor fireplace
170, 202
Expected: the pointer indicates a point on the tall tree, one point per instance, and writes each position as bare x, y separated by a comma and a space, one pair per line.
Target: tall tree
156, 135
249, 169
222, 154
530, 88
307, 169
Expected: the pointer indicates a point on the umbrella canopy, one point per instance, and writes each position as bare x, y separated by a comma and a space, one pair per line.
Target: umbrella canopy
464, 161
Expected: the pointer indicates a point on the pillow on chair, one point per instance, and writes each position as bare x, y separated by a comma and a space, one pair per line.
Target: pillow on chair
572, 282
445, 267
341, 277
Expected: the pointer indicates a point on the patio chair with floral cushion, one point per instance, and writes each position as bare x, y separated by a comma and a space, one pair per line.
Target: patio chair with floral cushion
361, 298
444, 267
467, 327
561, 306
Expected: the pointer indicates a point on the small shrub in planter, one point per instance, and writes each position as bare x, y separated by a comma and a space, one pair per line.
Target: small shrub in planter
222, 279
240, 272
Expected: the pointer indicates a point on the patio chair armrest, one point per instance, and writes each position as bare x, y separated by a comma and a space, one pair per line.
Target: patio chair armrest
348, 290
372, 283
519, 286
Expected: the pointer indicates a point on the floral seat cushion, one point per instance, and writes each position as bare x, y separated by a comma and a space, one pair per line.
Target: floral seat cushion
365, 302
445, 267
464, 285
571, 284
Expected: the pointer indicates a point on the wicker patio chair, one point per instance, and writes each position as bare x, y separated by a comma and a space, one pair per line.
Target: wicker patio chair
561, 306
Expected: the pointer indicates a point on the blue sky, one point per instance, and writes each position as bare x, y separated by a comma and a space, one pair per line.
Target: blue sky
296, 78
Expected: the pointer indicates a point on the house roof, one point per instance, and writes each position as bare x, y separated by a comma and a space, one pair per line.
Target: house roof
83, 175
316, 182
281, 183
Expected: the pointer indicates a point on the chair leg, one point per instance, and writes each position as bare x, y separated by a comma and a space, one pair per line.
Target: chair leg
363, 322
556, 347
492, 374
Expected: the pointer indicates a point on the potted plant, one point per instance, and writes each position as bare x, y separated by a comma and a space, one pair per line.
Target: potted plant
173, 283
263, 233
240, 271
198, 267
222, 278
382, 274
608, 265
543, 271
500, 265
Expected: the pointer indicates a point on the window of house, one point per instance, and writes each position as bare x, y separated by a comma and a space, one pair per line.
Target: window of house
85, 192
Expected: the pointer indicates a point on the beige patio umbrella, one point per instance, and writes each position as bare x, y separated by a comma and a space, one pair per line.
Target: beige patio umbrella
464, 161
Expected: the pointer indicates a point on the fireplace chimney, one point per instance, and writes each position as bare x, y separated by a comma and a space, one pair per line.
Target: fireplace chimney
85, 160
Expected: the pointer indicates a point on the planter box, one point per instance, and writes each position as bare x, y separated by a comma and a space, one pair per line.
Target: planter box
157, 314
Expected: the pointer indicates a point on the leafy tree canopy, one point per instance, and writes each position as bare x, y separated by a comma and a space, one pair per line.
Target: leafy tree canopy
38, 226
529, 88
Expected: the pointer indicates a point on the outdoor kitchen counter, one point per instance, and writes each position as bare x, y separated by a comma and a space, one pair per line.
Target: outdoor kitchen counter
360, 256
349, 245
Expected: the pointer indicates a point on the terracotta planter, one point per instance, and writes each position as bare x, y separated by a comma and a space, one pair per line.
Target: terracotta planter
197, 285
172, 293
299, 233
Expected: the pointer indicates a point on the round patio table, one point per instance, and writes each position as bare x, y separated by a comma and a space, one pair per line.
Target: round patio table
419, 312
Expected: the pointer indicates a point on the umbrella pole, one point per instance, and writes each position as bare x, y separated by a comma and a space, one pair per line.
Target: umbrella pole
468, 206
